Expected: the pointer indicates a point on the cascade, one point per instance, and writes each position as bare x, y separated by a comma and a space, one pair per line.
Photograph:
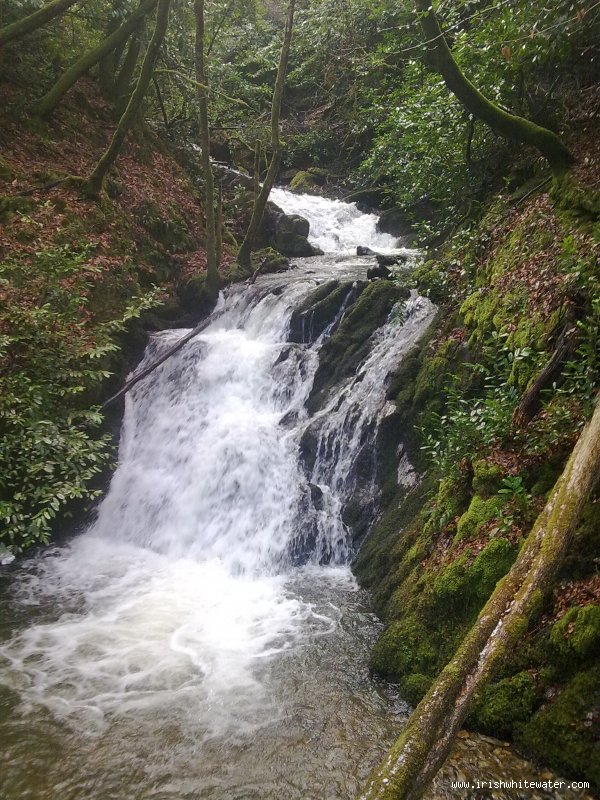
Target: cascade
180, 608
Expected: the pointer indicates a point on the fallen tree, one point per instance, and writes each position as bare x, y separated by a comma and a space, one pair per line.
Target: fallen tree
143, 373
425, 742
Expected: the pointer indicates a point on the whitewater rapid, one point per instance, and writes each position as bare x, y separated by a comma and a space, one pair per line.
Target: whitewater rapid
180, 608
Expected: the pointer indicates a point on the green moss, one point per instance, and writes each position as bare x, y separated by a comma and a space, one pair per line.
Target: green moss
577, 634
461, 588
10, 205
487, 478
415, 686
405, 648
481, 511
304, 182
564, 733
344, 351
166, 226
505, 704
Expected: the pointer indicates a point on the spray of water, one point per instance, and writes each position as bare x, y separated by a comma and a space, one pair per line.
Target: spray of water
181, 589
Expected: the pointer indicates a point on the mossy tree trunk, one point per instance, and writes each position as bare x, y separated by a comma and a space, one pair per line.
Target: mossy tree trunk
124, 81
508, 125
212, 268
425, 742
107, 65
95, 182
39, 18
261, 200
52, 98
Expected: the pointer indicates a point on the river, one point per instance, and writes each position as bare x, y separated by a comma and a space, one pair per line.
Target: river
179, 647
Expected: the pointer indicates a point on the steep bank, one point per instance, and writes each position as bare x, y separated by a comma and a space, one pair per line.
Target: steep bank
82, 284
512, 288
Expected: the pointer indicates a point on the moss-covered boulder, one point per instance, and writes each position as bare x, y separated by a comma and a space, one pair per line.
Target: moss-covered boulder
565, 732
577, 635
341, 355
481, 511
321, 308
505, 704
305, 182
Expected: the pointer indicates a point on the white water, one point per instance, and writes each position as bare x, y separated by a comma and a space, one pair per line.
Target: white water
335, 226
183, 592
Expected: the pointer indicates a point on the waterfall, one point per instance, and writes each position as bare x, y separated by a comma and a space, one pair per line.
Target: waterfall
181, 599
335, 226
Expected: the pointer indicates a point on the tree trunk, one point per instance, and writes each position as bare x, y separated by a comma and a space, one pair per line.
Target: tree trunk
139, 376
124, 82
26, 25
52, 98
531, 401
107, 65
95, 182
425, 742
219, 225
508, 125
263, 196
212, 268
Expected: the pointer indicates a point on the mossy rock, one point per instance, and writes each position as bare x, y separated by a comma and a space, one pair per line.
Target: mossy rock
506, 704
341, 355
392, 549
405, 648
565, 733
481, 511
576, 636
320, 308
451, 500
461, 588
487, 478
304, 181
195, 296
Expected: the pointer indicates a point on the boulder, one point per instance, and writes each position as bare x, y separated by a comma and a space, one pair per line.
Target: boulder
320, 309
290, 236
378, 272
393, 221
365, 251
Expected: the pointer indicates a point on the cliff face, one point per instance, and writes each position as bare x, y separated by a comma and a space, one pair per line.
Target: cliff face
510, 288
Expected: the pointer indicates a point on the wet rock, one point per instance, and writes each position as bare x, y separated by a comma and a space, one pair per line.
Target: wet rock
316, 495
373, 273
289, 237
394, 222
365, 251
390, 260
320, 310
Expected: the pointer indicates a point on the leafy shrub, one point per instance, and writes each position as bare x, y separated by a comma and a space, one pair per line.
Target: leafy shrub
53, 356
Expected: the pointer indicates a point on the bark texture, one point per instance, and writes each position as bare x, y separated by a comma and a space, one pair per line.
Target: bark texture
261, 201
52, 98
212, 267
41, 17
124, 81
96, 180
425, 742
508, 125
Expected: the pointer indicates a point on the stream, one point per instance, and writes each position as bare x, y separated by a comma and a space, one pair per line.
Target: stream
204, 637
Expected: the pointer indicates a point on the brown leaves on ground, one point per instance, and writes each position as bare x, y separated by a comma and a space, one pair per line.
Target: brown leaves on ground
42, 215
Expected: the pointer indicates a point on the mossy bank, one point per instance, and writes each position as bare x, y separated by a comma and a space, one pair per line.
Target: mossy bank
507, 285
